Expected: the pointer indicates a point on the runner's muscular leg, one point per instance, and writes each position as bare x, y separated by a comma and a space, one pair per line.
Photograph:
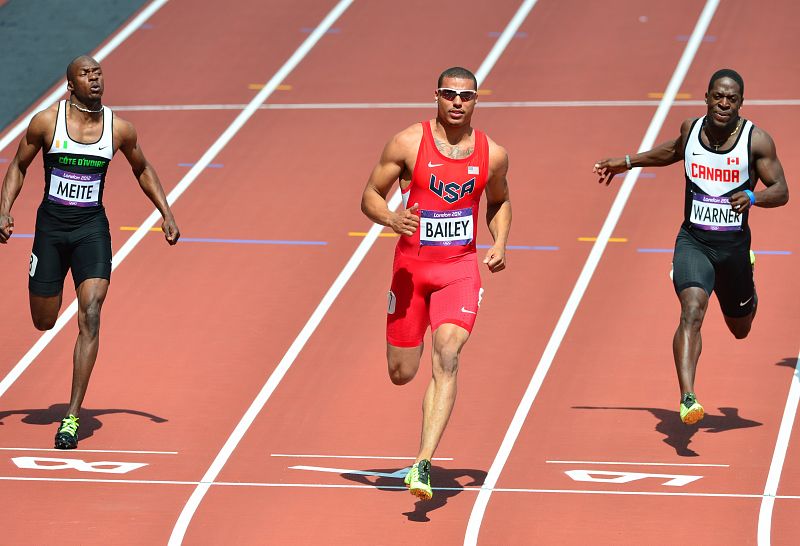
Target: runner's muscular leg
440, 396
403, 362
687, 343
91, 295
740, 326
44, 310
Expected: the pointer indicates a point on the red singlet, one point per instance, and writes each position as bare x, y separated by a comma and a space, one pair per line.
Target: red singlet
435, 278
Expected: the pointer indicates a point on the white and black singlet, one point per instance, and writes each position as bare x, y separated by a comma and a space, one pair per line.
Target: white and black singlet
71, 225
712, 250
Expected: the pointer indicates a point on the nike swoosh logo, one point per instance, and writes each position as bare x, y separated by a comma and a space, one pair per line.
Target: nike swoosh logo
432, 165
695, 153
472, 312
102, 147
745, 302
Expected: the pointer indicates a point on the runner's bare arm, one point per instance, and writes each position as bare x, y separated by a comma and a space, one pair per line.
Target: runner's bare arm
498, 207
662, 155
145, 174
392, 165
29, 146
769, 170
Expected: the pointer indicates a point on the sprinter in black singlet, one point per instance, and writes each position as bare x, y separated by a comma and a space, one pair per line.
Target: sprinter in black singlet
79, 137
724, 157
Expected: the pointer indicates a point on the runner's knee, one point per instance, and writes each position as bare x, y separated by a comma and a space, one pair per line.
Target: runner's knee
741, 333
740, 328
44, 323
403, 365
89, 322
400, 372
692, 314
446, 360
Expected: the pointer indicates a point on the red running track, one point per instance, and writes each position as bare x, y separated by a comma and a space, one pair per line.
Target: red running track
191, 333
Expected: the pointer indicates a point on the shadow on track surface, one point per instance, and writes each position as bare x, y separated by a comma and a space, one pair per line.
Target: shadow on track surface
89, 418
788, 362
678, 435
445, 483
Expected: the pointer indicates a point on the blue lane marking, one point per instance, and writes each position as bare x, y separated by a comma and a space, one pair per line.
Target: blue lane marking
215, 240
210, 165
323, 243
669, 250
3, 160
523, 247
250, 241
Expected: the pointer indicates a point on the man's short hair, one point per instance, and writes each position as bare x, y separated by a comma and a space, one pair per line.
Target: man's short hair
457, 72
727, 73
75, 61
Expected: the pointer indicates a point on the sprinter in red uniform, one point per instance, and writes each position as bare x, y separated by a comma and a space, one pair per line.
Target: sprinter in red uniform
443, 165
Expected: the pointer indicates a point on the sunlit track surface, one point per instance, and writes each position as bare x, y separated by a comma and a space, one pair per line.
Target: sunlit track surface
191, 333
425, 105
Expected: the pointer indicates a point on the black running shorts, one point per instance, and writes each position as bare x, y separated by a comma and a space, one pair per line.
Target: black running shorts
724, 269
84, 247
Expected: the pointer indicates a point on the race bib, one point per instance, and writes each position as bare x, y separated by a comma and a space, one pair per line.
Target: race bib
714, 214
76, 190
446, 228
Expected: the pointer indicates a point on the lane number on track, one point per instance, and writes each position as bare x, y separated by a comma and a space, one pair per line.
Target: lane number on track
51, 463
604, 476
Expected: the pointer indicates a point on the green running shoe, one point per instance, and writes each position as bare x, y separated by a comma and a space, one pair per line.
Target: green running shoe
690, 409
67, 435
418, 480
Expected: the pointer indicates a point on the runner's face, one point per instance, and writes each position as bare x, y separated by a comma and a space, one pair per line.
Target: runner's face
457, 112
87, 82
724, 100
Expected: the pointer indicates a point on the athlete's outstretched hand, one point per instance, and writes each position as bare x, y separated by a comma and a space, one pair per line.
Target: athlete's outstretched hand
406, 221
607, 168
6, 227
170, 229
495, 259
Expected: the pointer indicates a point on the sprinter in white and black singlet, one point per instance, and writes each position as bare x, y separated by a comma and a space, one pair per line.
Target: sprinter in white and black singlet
78, 136
724, 157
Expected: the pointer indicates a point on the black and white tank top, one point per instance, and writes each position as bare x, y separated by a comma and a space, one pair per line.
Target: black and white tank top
75, 172
711, 178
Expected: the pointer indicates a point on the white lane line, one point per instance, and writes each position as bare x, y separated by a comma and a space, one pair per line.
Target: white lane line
398, 487
616, 463
213, 471
304, 456
425, 105
399, 474
101, 54
316, 317
479, 508
89, 451
503, 40
778, 458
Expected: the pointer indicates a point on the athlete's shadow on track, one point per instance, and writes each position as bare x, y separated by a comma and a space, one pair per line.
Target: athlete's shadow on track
88, 418
678, 435
445, 485
788, 362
